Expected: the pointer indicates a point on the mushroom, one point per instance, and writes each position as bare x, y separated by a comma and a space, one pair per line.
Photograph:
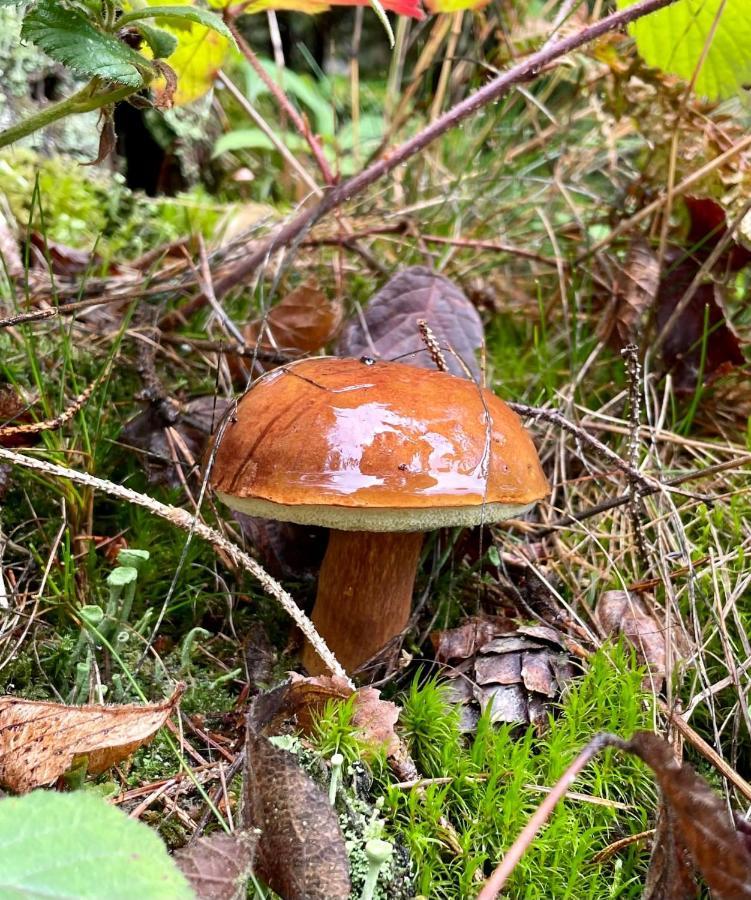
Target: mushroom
378, 452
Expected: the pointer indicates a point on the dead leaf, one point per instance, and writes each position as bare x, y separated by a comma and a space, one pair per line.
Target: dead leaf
218, 866
14, 411
303, 322
169, 444
698, 824
619, 612
388, 327
300, 852
635, 293
40, 741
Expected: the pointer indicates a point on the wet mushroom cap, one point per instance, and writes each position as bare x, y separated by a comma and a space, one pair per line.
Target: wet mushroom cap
375, 446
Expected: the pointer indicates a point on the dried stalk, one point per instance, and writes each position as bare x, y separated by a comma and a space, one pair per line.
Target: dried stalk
183, 519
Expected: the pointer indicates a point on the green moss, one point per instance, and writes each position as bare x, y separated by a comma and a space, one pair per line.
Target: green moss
457, 832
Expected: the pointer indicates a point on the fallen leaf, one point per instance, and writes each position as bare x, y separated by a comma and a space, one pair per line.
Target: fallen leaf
303, 322
682, 349
40, 741
60, 258
635, 292
300, 853
218, 866
14, 411
169, 444
697, 823
619, 612
388, 327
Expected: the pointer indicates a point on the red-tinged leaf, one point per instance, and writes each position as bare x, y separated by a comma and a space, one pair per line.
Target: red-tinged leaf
708, 225
409, 8
698, 824
634, 294
13, 411
388, 328
682, 348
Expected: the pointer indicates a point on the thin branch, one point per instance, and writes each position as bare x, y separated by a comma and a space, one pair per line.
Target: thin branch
183, 519
523, 71
282, 100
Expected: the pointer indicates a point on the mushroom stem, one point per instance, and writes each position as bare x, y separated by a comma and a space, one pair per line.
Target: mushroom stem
364, 593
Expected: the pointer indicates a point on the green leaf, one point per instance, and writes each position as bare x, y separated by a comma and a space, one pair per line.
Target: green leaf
184, 13
161, 42
78, 846
255, 139
673, 39
68, 37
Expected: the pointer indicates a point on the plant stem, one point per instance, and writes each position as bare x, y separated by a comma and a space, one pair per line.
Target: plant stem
283, 101
82, 101
525, 70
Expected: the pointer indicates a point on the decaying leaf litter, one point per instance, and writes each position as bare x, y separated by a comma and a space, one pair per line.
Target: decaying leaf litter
691, 577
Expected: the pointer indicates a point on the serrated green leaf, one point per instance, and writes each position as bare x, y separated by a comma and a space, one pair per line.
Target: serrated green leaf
161, 42
176, 14
68, 37
673, 39
78, 846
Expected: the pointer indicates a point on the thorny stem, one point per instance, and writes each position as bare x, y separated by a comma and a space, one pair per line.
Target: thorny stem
282, 100
182, 519
523, 71
81, 102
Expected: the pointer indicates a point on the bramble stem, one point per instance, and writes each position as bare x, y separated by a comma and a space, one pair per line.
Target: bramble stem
81, 102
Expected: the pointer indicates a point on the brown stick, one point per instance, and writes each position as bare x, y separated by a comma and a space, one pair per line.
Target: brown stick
364, 594
523, 71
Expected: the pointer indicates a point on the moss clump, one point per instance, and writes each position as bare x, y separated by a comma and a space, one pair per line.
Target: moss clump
458, 831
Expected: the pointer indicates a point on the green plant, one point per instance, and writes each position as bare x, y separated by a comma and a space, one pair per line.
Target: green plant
77, 845
92, 39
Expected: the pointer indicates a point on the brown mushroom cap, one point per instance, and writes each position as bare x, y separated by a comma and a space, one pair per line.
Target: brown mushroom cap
381, 446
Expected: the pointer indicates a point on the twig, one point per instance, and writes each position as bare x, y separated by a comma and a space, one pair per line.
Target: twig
630, 354
65, 416
33, 316
182, 519
497, 880
282, 100
494, 90
556, 418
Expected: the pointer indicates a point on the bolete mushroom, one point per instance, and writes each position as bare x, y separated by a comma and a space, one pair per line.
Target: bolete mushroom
378, 452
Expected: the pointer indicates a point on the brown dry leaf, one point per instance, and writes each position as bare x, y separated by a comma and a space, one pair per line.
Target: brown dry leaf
303, 322
289, 552
301, 852
635, 292
619, 612
169, 444
40, 741
14, 411
388, 328
698, 824
218, 866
